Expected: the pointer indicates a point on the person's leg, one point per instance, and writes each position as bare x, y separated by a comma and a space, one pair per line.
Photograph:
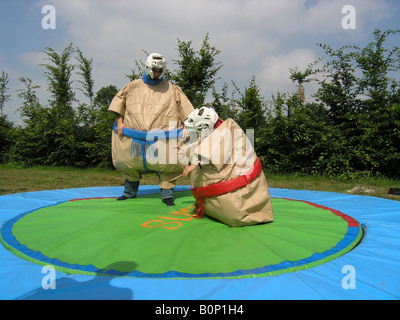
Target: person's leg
167, 196
130, 190
167, 185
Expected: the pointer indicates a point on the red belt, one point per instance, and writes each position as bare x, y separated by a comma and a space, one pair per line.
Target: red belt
223, 187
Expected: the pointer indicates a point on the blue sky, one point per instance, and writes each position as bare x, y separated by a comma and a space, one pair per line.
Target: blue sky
256, 37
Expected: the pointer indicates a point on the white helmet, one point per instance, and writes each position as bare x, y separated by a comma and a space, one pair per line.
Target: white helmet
155, 60
202, 121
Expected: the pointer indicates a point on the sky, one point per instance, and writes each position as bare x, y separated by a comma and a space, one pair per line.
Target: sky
261, 38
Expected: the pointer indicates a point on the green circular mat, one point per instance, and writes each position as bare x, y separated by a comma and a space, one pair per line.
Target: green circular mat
142, 237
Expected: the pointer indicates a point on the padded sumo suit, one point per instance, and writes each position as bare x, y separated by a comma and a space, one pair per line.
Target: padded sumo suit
230, 185
147, 108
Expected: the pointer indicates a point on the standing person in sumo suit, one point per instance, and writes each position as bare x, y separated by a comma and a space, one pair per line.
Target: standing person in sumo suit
226, 176
150, 115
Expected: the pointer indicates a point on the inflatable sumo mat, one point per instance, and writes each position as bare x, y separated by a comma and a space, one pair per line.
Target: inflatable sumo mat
144, 240
89, 235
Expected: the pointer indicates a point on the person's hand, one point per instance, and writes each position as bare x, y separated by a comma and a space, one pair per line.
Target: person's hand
120, 126
188, 170
185, 134
179, 149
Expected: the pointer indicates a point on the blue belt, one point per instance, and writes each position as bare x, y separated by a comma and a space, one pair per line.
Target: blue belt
141, 139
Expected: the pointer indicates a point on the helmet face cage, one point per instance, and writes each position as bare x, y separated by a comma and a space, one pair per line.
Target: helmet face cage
155, 60
202, 121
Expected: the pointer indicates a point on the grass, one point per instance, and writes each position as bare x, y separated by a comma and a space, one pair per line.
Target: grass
319, 183
15, 179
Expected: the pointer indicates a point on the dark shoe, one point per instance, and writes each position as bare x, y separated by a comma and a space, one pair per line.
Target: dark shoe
122, 198
169, 202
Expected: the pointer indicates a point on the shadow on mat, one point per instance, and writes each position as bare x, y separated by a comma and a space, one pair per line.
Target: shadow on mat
97, 288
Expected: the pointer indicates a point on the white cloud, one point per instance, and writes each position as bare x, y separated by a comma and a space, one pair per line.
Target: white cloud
275, 73
32, 59
255, 36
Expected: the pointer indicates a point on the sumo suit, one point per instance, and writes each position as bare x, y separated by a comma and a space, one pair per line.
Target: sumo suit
154, 116
229, 184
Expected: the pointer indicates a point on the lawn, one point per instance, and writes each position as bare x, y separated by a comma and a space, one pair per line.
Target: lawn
16, 179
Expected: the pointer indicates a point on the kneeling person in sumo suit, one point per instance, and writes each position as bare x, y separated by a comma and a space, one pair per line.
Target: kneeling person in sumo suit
227, 179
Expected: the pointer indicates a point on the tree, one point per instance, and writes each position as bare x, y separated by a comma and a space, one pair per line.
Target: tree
338, 89
63, 147
272, 141
95, 144
3, 89
30, 104
104, 97
33, 140
197, 70
381, 108
6, 127
58, 74
223, 105
376, 63
84, 109
362, 101
251, 106
302, 77
6, 138
85, 67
